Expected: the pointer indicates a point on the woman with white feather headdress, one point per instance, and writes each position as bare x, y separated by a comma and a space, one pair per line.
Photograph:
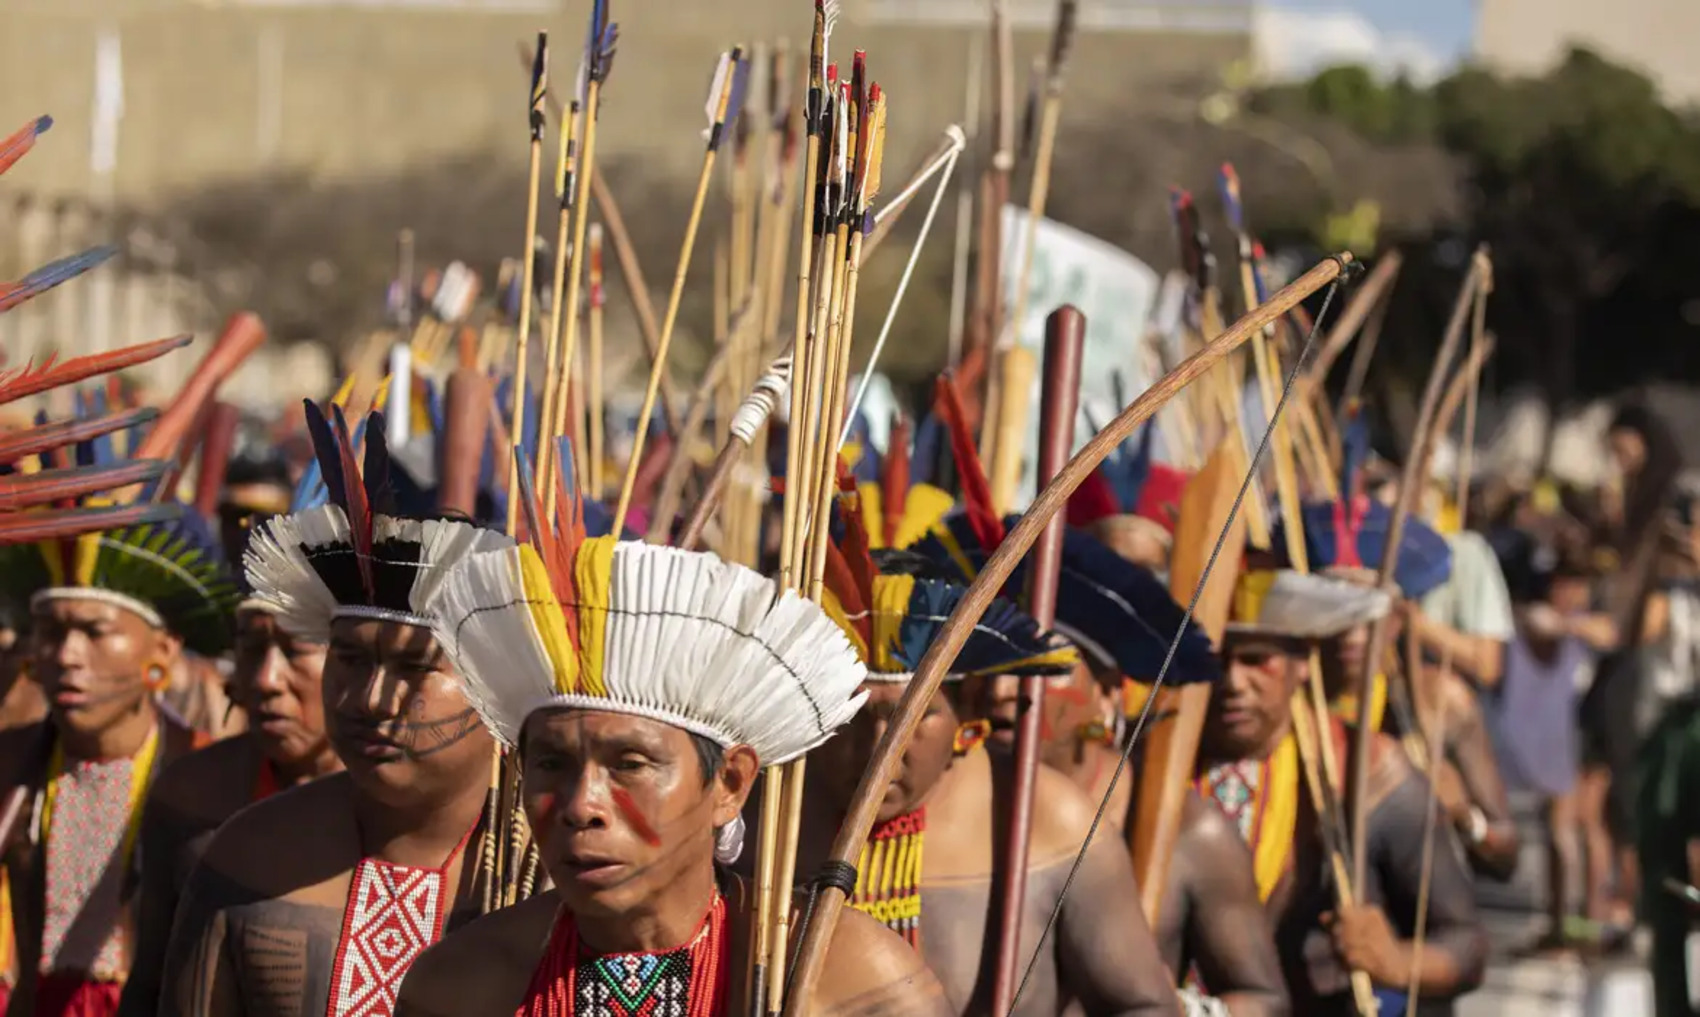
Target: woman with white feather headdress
643, 689
370, 865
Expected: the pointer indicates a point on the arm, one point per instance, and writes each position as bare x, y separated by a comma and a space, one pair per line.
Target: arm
1481, 659
1452, 958
198, 978
1495, 853
1106, 955
1226, 931
1597, 630
871, 972
161, 836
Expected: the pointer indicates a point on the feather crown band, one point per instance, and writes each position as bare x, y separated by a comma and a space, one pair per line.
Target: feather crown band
567, 621
351, 556
170, 573
893, 616
1293, 605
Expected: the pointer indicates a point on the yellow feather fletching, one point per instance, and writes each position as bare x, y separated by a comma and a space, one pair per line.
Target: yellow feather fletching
1250, 593
548, 619
593, 573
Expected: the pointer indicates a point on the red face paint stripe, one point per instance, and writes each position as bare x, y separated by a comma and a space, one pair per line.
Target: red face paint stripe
634, 816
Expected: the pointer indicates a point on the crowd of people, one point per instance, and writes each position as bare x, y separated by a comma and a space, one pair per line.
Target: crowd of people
373, 720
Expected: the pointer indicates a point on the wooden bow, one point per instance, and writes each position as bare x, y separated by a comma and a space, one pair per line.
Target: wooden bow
888, 753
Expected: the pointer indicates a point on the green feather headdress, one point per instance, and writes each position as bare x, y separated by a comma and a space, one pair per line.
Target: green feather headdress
170, 573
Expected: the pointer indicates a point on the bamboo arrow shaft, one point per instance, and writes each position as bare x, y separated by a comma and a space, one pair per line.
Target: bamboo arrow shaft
888, 753
659, 368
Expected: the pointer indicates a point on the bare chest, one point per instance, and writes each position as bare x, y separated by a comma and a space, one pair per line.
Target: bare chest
959, 939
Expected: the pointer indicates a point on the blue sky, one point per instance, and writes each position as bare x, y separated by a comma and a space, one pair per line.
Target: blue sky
1422, 36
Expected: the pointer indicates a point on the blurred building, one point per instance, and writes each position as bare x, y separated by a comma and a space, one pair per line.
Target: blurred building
156, 96
1653, 35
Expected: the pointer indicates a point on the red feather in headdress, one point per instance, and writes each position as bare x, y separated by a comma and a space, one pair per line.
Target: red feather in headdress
895, 482
850, 568
358, 507
976, 490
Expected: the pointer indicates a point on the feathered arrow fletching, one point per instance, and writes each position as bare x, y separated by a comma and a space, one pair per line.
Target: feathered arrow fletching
22, 140
30, 527
30, 379
31, 490
539, 86
38, 440
51, 275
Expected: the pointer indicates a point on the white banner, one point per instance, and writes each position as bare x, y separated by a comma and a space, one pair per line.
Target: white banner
1115, 290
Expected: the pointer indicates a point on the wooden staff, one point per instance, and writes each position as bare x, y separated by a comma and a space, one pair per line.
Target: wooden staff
1321, 749
243, 334
888, 753
1005, 456
1065, 341
539, 88
994, 195
566, 253
217, 441
467, 402
598, 61
1481, 347
724, 112
1364, 299
596, 410
1410, 486
1175, 722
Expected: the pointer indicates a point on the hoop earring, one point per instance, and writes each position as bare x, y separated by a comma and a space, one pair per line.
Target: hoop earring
970, 736
156, 675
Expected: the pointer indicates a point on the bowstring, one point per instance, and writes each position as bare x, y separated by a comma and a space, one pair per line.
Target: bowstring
1174, 644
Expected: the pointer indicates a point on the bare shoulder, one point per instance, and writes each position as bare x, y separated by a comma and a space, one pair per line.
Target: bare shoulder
482, 967
21, 748
871, 971
198, 782
1204, 826
1060, 826
1389, 768
264, 838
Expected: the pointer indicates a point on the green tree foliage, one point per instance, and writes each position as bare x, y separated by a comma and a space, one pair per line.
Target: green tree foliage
1586, 187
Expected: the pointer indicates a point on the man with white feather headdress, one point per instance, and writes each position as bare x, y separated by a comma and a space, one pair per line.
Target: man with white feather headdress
643, 688
316, 900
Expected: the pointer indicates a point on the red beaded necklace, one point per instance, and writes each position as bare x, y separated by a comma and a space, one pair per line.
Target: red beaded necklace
691, 979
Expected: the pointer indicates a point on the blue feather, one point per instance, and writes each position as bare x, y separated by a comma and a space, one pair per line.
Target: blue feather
1124, 609
930, 439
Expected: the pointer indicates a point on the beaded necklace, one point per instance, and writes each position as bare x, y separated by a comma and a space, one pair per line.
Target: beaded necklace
690, 981
393, 913
888, 874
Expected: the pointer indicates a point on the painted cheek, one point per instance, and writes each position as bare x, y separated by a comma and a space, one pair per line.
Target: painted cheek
639, 822
545, 806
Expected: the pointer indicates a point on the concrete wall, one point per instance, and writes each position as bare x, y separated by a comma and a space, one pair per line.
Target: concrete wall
1656, 35
219, 89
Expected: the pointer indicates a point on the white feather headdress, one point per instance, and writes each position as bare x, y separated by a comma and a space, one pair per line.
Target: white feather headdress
1299, 606
306, 567
676, 636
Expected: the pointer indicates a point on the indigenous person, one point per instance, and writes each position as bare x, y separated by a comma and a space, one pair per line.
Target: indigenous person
1347, 538
942, 816
277, 685
110, 612
1122, 618
1250, 765
643, 688
316, 899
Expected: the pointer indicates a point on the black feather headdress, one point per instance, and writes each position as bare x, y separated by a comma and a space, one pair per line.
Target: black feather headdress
354, 555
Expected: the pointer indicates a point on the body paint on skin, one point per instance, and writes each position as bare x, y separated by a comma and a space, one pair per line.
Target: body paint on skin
629, 808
